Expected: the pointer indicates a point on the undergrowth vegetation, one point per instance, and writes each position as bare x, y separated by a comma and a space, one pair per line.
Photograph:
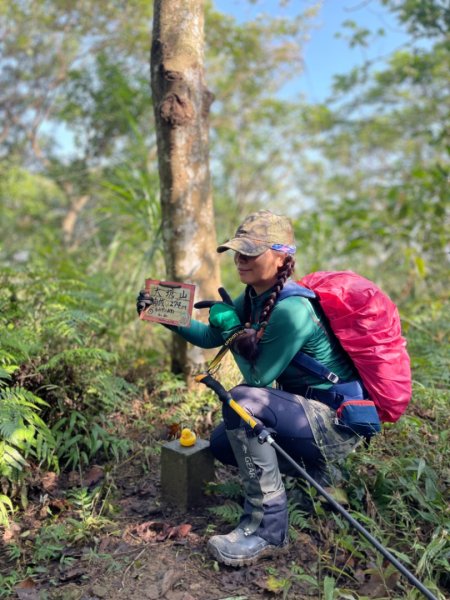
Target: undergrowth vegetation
85, 385
397, 489
59, 386
69, 399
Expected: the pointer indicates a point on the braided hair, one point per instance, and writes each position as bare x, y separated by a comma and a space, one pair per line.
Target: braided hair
246, 344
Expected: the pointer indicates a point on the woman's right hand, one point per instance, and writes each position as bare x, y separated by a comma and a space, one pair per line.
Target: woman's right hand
143, 301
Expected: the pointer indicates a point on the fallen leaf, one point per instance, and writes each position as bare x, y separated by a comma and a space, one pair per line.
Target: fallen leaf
49, 481
173, 431
58, 504
26, 584
374, 587
93, 476
72, 573
27, 590
159, 531
151, 530
27, 594
11, 532
179, 531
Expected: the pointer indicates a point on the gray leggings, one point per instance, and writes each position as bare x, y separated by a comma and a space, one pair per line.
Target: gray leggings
282, 414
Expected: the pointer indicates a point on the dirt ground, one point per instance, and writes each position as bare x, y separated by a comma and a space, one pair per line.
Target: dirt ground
152, 551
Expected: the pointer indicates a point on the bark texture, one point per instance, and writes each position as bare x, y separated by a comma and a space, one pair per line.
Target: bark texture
181, 104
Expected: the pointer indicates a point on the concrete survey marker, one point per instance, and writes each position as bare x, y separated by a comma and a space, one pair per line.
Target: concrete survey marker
184, 473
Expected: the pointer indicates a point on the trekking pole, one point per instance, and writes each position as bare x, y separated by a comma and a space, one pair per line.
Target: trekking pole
265, 436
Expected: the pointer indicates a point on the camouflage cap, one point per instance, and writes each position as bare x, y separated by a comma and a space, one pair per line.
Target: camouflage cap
259, 232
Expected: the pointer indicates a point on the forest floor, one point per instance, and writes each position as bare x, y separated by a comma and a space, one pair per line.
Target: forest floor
106, 534
144, 550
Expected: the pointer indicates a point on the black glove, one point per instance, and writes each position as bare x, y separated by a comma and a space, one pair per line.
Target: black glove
143, 301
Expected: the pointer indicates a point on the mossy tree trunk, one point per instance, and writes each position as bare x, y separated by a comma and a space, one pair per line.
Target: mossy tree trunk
181, 104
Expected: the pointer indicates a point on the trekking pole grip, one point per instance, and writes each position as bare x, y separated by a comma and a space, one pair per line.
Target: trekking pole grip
215, 386
226, 398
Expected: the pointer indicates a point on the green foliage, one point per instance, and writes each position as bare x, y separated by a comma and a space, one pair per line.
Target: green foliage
105, 100
231, 489
6, 506
229, 495
405, 482
85, 523
427, 332
59, 384
431, 18
50, 542
22, 432
8, 583
397, 489
297, 518
174, 403
46, 47
378, 175
91, 509
229, 512
79, 440
27, 200
365, 177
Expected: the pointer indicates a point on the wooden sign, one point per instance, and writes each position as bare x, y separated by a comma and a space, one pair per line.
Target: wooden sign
172, 302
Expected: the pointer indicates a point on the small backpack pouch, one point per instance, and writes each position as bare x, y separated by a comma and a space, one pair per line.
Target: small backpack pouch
360, 416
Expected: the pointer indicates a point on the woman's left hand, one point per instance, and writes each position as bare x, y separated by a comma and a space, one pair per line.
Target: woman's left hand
223, 314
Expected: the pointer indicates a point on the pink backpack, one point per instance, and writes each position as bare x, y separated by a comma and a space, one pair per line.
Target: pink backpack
367, 324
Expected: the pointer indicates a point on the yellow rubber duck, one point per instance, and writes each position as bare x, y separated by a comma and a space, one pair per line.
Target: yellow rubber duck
188, 437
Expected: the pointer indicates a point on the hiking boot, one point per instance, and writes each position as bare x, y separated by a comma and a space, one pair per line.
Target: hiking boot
239, 548
263, 529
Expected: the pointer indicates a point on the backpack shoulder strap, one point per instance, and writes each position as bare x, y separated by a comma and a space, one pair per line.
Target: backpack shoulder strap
292, 288
304, 362
301, 360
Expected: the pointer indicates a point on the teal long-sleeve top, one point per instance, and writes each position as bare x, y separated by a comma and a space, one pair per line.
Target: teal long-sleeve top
295, 324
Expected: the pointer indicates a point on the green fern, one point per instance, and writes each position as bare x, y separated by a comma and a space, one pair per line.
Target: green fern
14, 345
110, 392
15, 348
83, 357
6, 507
297, 517
230, 489
5, 374
72, 324
229, 512
10, 459
23, 433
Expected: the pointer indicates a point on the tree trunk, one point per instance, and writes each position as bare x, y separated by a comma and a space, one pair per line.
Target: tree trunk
181, 103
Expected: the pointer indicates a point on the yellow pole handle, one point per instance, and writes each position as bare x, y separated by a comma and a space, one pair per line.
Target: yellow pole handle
225, 397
